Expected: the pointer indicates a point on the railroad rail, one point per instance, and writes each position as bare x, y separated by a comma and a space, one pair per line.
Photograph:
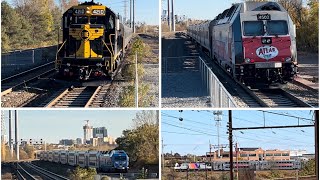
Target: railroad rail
18, 80
272, 98
29, 171
23, 174
44, 173
77, 97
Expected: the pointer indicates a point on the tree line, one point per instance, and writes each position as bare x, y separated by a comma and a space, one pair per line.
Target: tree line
31, 23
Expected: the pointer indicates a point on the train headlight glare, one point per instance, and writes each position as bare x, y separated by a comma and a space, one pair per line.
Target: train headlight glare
288, 59
68, 64
88, 12
268, 41
99, 64
264, 41
247, 60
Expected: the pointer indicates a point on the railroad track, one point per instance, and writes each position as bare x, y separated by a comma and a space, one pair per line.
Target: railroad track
77, 97
21, 79
260, 98
24, 172
273, 98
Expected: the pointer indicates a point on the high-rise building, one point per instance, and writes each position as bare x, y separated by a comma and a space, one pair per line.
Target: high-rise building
67, 142
79, 141
100, 132
88, 132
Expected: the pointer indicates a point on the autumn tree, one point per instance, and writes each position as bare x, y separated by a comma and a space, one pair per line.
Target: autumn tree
142, 142
80, 173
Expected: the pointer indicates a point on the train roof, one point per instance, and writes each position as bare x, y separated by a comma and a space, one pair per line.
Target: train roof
261, 6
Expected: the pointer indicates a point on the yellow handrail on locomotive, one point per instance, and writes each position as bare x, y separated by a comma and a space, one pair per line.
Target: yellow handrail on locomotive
111, 43
58, 53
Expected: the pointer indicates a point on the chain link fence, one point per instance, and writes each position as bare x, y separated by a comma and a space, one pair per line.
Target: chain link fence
219, 96
18, 61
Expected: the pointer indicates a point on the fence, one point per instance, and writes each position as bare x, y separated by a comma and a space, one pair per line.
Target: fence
18, 61
219, 96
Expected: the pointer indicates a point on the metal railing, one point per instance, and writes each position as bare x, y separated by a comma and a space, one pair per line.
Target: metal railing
219, 96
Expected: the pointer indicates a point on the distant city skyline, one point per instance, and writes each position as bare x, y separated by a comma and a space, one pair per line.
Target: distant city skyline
192, 135
54, 125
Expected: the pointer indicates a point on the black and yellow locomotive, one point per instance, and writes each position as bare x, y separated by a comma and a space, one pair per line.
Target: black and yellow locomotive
94, 41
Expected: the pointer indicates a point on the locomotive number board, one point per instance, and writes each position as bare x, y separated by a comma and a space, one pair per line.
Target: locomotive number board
268, 65
264, 17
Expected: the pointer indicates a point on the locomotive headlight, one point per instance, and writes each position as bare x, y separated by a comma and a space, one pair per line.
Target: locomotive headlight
99, 64
264, 41
268, 41
247, 60
288, 59
68, 64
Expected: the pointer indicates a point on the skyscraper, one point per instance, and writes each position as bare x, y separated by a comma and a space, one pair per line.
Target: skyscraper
88, 132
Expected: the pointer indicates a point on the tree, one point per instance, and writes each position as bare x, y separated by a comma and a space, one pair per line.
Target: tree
80, 173
308, 168
29, 150
142, 142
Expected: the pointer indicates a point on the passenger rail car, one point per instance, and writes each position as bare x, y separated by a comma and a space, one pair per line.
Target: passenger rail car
253, 165
253, 41
94, 41
112, 161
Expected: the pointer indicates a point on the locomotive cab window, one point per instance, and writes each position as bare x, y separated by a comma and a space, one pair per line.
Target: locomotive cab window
80, 20
253, 28
97, 19
277, 27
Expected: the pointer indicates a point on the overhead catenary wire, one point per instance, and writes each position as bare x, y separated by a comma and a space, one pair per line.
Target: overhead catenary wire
253, 139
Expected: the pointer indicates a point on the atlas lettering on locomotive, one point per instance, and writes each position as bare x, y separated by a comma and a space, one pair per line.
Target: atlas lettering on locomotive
267, 52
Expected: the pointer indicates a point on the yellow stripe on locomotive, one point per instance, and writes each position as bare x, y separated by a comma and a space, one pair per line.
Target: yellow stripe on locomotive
93, 41
86, 34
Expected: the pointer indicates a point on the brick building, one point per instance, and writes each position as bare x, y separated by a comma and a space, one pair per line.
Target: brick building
249, 154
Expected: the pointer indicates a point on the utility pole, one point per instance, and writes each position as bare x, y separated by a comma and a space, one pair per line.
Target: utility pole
217, 118
230, 145
316, 132
173, 17
125, 10
3, 136
162, 155
237, 151
210, 149
133, 23
10, 134
169, 25
130, 13
16, 134
137, 84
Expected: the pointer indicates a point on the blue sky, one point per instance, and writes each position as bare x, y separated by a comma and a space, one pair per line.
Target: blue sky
203, 9
53, 125
146, 10
192, 135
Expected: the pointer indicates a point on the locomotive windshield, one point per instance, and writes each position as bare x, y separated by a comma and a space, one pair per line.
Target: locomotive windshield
253, 28
97, 19
120, 158
277, 27
80, 20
